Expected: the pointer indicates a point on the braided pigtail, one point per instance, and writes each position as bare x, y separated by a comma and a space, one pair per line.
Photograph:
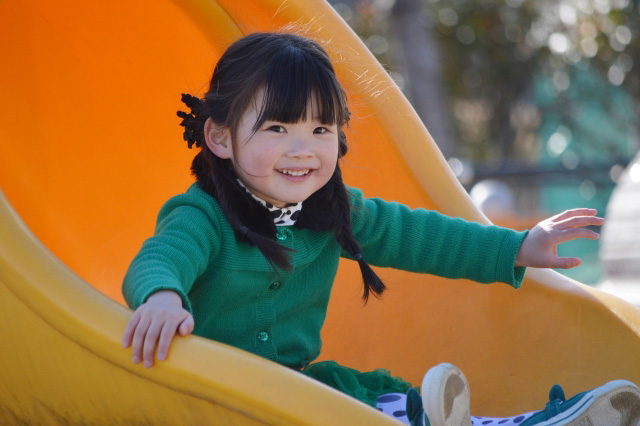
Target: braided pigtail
328, 209
217, 177
229, 195
344, 234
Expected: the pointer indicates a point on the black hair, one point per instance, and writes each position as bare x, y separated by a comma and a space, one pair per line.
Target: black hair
291, 69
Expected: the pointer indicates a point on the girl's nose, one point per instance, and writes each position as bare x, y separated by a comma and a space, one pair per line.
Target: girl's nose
300, 148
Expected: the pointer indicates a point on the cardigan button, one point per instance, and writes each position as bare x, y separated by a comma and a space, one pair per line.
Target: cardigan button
281, 235
275, 286
263, 336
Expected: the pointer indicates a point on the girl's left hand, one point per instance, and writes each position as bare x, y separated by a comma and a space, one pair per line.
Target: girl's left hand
539, 248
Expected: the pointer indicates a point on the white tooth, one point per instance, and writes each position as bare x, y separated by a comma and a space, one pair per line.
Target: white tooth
295, 173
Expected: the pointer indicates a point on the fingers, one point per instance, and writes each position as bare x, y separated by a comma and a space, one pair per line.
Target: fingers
574, 233
579, 221
168, 333
573, 224
575, 212
187, 326
572, 227
152, 333
150, 342
129, 330
164, 338
139, 338
148, 330
565, 262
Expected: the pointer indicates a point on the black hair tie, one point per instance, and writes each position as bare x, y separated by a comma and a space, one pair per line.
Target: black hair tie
244, 230
358, 257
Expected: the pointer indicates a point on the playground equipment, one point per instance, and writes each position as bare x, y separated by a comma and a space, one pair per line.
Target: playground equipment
90, 148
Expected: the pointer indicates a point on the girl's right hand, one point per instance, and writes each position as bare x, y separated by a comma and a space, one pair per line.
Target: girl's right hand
155, 323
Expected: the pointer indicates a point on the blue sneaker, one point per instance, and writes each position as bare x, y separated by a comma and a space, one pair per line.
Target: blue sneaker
615, 404
415, 412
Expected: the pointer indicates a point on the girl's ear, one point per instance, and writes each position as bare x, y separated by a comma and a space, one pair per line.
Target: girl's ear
218, 139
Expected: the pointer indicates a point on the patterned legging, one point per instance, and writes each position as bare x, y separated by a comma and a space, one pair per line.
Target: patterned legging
394, 405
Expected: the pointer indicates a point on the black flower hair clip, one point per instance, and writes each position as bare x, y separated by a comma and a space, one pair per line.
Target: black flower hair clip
193, 121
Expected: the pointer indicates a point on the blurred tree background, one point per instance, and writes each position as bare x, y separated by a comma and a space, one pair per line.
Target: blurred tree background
535, 103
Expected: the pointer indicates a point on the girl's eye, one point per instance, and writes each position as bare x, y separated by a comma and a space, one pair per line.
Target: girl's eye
320, 130
276, 128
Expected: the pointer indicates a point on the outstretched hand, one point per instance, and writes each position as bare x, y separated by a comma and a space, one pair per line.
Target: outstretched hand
539, 248
154, 324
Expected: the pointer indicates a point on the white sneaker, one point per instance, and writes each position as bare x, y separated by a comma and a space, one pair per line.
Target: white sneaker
616, 403
446, 397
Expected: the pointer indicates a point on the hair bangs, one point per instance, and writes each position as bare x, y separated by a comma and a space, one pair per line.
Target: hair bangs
292, 81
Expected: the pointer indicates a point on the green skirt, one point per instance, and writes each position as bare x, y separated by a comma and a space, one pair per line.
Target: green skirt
366, 387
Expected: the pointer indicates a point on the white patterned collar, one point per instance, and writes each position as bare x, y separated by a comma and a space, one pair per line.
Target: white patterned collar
282, 216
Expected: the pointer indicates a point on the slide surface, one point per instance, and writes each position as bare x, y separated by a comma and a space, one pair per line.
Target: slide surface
90, 148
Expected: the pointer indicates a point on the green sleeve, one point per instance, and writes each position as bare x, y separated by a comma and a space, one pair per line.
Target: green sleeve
392, 235
184, 241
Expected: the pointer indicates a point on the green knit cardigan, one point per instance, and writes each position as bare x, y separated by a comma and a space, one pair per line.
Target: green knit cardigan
237, 298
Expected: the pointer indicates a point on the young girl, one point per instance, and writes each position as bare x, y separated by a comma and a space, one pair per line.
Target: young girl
247, 256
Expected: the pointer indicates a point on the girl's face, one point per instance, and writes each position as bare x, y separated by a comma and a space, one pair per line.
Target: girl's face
281, 163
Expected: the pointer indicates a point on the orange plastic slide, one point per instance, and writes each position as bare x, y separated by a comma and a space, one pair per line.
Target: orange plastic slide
90, 148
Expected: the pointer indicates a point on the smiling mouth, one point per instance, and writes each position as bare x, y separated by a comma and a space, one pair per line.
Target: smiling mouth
300, 172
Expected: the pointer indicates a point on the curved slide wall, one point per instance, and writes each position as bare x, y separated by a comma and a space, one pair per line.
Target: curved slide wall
90, 148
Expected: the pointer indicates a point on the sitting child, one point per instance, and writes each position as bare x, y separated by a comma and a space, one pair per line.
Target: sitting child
247, 256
